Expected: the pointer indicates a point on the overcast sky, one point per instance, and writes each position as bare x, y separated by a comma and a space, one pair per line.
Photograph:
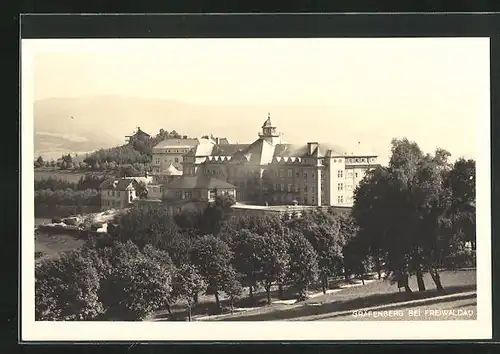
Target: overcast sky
433, 90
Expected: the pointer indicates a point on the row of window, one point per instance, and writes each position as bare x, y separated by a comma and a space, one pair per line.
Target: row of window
157, 160
114, 193
360, 160
111, 203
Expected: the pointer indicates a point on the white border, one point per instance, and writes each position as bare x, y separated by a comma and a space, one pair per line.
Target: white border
213, 331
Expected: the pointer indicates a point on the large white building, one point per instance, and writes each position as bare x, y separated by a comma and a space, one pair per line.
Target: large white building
269, 171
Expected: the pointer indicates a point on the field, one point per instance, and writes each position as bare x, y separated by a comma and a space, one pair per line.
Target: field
375, 293
51, 245
67, 175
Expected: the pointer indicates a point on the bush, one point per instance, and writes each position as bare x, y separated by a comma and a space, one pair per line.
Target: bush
66, 288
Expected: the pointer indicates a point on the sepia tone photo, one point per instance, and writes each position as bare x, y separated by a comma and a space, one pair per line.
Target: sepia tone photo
256, 180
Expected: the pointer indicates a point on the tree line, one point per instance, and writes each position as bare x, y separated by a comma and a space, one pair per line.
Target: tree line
59, 192
412, 217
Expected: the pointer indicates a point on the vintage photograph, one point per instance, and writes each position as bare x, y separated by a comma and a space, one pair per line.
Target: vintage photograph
255, 180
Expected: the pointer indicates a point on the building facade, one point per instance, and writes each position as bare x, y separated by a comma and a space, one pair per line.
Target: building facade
170, 152
119, 193
271, 172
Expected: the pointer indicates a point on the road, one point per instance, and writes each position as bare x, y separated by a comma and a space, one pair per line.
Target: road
461, 309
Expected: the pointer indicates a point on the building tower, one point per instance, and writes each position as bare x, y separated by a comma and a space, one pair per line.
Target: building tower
269, 132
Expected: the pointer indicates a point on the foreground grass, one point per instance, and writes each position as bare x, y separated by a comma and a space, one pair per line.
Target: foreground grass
380, 292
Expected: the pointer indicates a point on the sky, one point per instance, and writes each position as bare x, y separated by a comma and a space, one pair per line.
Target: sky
433, 90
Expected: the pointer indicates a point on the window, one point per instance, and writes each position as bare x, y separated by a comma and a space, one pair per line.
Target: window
178, 194
297, 174
118, 193
276, 187
275, 173
176, 159
313, 175
340, 199
305, 175
290, 172
349, 187
363, 160
356, 175
157, 160
312, 200
340, 186
289, 187
340, 174
189, 195
282, 172
349, 174
305, 188
282, 187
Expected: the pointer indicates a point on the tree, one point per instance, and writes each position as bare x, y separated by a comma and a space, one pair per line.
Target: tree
187, 284
327, 234
303, 263
404, 210
144, 284
66, 288
212, 257
142, 190
248, 248
39, 162
144, 227
231, 286
274, 260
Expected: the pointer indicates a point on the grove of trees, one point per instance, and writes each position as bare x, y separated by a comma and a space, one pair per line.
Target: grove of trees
414, 216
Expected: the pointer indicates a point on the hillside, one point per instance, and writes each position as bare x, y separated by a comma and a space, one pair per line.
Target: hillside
103, 121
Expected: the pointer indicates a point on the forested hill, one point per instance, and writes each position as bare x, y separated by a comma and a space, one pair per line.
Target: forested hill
137, 151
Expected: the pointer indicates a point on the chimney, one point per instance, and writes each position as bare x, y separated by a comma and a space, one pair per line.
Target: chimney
311, 147
217, 141
184, 137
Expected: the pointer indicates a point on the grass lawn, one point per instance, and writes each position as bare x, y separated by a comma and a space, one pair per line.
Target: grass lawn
380, 292
51, 245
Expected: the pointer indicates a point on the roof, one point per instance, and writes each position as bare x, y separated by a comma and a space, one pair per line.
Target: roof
301, 150
171, 171
116, 184
228, 149
122, 184
267, 123
199, 182
185, 143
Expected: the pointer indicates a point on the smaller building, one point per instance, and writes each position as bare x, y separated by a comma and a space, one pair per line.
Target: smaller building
139, 134
197, 188
119, 193
166, 175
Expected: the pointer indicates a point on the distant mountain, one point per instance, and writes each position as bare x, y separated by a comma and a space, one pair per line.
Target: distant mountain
82, 124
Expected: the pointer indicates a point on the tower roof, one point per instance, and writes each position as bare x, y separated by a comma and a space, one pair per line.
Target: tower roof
267, 123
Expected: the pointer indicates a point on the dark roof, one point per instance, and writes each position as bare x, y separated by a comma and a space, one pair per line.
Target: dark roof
289, 150
267, 123
201, 182
223, 141
228, 149
140, 132
117, 184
